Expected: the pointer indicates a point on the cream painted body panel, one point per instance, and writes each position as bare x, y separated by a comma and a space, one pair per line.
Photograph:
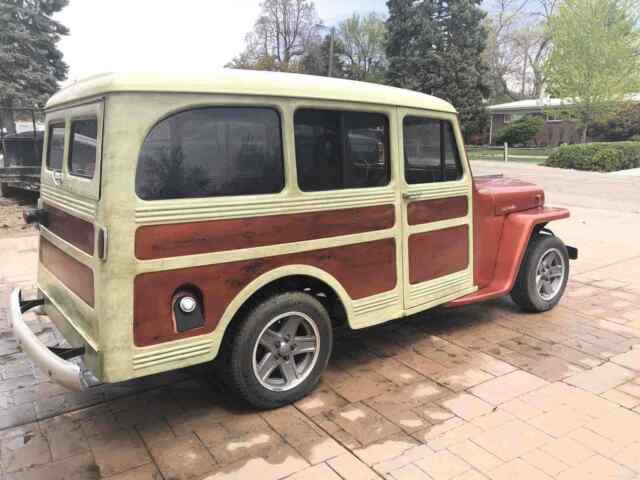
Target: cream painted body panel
128, 118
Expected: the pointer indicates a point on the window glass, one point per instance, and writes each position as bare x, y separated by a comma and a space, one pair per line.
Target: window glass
452, 165
55, 152
210, 152
336, 150
430, 151
82, 157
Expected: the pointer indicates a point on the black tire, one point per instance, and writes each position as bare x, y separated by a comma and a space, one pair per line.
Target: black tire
240, 374
6, 191
525, 290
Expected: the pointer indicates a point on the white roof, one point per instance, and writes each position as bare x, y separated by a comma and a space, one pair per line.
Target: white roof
248, 82
541, 103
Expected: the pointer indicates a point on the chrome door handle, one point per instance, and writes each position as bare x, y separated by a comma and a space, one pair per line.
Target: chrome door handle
409, 196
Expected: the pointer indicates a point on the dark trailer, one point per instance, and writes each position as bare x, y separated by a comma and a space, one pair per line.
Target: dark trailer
21, 159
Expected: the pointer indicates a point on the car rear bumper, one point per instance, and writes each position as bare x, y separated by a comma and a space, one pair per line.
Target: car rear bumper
69, 374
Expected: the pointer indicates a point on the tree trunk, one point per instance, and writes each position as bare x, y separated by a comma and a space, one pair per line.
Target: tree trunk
584, 134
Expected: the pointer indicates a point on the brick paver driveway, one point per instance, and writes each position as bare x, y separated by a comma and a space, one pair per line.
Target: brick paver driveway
482, 392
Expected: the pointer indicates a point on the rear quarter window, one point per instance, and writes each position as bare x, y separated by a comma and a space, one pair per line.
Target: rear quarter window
210, 152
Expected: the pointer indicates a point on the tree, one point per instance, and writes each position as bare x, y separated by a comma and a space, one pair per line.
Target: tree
363, 38
316, 60
30, 63
280, 37
518, 46
435, 47
594, 62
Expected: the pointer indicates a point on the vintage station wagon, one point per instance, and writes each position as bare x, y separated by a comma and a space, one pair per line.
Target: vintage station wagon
242, 216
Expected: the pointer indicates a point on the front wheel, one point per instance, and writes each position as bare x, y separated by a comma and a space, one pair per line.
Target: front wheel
543, 274
280, 350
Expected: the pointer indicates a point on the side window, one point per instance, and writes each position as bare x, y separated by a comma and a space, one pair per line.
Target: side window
208, 152
55, 149
339, 149
82, 156
430, 151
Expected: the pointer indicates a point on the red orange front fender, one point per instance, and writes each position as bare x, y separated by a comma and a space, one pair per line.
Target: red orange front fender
516, 233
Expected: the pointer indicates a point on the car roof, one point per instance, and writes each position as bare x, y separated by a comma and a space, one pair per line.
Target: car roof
248, 82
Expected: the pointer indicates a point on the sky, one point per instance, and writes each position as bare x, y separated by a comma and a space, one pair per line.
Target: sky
169, 35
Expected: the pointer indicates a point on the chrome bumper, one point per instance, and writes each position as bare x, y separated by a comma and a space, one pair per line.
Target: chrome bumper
64, 372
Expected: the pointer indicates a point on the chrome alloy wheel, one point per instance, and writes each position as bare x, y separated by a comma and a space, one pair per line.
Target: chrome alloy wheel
286, 351
550, 274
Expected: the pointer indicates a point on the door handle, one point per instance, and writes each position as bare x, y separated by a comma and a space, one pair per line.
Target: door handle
409, 197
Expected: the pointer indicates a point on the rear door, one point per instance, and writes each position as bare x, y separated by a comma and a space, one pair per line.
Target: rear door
69, 192
437, 210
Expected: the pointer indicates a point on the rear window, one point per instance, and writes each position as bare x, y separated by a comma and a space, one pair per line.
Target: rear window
55, 149
209, 152
82, 157
337, 149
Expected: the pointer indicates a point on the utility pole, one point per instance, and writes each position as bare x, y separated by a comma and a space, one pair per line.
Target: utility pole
333, 34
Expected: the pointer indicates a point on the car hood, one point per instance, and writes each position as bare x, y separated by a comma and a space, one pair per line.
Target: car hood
509, 194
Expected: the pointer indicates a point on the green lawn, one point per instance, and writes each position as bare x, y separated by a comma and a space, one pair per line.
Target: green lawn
527, 155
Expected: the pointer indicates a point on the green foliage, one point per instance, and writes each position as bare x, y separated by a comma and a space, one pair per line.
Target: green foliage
623, 124
363, 39
520, 132
601, 157
594, 61
31, 63
316, 60
436, 47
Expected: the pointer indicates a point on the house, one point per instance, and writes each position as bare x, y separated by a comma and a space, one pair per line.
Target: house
559, 127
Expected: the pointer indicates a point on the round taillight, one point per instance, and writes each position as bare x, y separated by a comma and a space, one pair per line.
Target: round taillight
188, 304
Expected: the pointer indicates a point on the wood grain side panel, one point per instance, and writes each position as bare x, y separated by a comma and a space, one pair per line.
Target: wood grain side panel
75, 275
363, 270
427, 211
438, 253
76, 231
161, 241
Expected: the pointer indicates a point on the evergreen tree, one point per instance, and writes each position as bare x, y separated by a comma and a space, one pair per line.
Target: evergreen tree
316, 60
435, 47
31, 64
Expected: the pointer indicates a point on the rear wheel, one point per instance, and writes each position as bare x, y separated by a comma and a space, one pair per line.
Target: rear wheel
280, 350
543, 274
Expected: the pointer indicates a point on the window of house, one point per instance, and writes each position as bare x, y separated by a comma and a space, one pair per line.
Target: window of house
208, 152
339, 149
430, 151
55, 149
84, 138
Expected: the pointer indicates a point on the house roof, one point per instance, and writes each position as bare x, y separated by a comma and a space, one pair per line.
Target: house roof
537, 104
246, 82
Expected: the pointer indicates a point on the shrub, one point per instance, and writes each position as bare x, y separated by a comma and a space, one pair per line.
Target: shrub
521, 131
600, 157
623, 124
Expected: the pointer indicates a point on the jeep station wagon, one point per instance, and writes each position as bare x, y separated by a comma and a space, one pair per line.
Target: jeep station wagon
242, 216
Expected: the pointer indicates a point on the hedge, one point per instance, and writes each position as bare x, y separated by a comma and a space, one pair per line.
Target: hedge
599, 157
520, 132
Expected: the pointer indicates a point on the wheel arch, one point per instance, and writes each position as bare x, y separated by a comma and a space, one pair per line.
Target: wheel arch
517, 231
287, 278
